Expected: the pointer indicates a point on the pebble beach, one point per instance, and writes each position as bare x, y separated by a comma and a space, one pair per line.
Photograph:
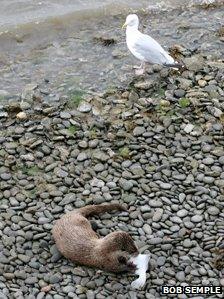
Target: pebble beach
156, 145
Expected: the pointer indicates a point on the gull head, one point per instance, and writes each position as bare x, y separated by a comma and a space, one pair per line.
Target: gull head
132, 21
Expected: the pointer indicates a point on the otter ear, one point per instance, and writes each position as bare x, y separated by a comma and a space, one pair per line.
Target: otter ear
122, 259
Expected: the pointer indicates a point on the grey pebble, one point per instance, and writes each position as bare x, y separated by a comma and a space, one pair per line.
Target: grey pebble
157, 215
187, 243
155, 203
84, 107
221, 160
188, 128
55, 278
161, 260
31, 280
155, 241
68, 289
208, 161
5, 176
182, 213
141, 148
214, 211
197, 218
82, 157
125, 184
138, 131
165, 186
65, 115
147, 229
180, 276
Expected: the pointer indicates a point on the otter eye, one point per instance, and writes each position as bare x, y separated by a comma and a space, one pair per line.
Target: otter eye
122, 260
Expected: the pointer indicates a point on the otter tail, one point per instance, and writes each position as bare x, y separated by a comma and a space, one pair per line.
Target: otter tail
98, 209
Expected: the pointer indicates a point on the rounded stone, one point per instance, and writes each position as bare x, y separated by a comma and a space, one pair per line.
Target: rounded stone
82, 157
126, 184
221, 160
157, 215
138, 131
68, 289
65, 115
147, 229
208, 161
165, 186
187, 243
214, 211
155, 241
24, 258
21, 115
84, 107
180, 276
197, 218
93, 143
55, 278
83, 144
182, 213
5, 176
161, 260
189, 224
208, 180
31, 280
99, 167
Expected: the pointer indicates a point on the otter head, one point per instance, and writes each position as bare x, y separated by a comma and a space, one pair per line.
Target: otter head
117, 261
116, 250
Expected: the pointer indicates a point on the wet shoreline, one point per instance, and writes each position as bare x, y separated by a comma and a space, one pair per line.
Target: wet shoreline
70, 58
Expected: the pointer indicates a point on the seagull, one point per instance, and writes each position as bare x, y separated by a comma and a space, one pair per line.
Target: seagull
144, 47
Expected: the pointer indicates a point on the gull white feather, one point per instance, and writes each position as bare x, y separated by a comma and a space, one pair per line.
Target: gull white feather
141, 261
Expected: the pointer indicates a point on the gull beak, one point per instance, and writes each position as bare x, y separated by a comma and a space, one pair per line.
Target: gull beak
124, 26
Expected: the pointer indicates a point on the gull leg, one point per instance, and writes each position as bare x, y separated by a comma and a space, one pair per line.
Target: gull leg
137, 67
141, 70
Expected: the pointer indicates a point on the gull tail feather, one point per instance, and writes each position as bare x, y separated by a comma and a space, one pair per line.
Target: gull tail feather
177, 65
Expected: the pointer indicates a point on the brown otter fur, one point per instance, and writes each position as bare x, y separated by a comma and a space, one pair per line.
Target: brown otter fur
76, 240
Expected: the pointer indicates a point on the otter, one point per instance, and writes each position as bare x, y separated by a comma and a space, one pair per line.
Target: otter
76, 240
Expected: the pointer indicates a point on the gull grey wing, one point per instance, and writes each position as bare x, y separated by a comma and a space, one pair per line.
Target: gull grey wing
151, 50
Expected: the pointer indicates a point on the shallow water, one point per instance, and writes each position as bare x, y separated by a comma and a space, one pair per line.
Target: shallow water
56, 42
18, 12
